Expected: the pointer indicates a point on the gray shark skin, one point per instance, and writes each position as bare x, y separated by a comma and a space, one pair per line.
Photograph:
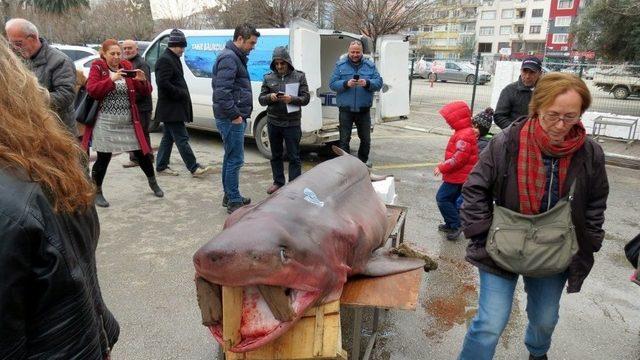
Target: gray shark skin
307, 238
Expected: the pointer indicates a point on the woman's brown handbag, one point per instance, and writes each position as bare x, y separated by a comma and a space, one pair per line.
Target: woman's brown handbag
533, 245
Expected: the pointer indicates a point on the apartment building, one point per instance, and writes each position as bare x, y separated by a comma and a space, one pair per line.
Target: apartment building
449, 30
560, 44
515, 28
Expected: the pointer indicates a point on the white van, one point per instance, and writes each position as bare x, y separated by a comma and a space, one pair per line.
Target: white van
313, 51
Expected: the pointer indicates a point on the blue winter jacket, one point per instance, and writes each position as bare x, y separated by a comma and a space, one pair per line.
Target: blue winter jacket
357, 98
231, 84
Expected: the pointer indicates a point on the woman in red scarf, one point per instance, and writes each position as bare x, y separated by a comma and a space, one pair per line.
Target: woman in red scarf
528, 168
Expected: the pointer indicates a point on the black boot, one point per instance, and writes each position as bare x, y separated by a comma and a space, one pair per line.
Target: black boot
100, 200
153, 184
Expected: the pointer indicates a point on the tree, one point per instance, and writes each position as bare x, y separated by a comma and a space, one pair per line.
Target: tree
467, 47
278, 13
611, 28
55, 6
374, 18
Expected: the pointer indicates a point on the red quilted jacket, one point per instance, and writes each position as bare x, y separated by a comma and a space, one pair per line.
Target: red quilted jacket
462, 150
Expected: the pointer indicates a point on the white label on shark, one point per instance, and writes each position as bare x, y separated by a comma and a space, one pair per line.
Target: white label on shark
311, 197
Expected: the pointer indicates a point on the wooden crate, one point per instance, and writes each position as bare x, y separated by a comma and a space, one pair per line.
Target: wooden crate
316, 335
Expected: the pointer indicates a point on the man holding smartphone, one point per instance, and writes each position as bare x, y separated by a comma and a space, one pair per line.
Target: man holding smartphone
282, 121
355, 79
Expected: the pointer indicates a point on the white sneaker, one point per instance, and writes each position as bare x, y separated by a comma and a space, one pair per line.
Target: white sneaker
168, 171
202, 171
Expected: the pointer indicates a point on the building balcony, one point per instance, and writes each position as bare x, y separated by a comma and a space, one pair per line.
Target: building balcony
520, 4
518, 21
470, 3
516, 36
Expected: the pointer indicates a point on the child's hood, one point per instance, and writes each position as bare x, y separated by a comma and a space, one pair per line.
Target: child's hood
457, 114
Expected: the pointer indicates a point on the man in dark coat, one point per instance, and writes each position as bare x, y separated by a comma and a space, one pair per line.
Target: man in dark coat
144, 103
232, 105
174, 108
53, 69
515, 97
283, 120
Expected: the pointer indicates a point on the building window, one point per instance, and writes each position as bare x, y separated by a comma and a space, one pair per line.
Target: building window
427, 28
521, 13
565, 4
507, 14
442, 14
560, 38
537, 13
484, 47
488, 15
563, 21
440, 27
519, 29
486, 30
505, 30
535, 29
503, 45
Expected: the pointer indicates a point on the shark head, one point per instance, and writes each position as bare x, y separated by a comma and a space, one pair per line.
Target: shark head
282, 275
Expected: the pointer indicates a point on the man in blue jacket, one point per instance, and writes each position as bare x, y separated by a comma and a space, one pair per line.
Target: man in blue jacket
232, 105
355, 79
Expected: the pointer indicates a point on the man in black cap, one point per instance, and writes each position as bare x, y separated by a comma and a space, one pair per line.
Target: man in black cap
174, 108
514, 98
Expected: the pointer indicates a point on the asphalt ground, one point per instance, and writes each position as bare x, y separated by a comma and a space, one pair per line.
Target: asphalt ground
146, 271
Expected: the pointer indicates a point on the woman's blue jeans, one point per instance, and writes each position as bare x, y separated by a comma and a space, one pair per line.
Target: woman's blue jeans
494, 308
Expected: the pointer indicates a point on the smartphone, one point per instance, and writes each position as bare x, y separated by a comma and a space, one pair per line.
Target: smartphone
280, 94
129, 73
356, 76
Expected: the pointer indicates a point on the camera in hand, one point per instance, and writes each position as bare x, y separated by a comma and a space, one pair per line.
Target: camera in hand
356, 76
129, 73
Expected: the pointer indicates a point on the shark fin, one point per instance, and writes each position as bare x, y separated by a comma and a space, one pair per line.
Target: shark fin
383, 262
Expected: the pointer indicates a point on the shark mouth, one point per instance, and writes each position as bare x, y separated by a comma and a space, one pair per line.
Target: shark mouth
267, 312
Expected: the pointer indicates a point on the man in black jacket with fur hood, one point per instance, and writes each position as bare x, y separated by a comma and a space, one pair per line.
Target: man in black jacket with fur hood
283, 118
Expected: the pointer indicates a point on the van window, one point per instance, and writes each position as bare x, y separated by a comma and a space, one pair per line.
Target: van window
154, 52
202, 51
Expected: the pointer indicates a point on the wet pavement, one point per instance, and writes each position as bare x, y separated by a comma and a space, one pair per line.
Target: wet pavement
146, 271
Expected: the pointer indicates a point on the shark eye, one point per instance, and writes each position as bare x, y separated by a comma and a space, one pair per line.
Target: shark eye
283, 255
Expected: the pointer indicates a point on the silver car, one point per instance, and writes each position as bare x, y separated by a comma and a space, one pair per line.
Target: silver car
458, 71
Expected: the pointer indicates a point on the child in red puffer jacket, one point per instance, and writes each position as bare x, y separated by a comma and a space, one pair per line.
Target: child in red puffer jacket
460, 157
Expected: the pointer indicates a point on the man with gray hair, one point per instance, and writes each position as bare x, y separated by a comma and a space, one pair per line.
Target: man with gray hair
143, 102
53, 69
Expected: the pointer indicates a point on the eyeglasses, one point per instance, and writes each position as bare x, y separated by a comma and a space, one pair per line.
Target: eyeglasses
554, 118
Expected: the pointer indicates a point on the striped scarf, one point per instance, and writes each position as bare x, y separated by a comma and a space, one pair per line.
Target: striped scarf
532, 175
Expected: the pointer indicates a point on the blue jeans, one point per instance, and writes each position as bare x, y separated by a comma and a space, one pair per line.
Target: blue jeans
175, 132
233, 141
446, 198
494, 308
290, 135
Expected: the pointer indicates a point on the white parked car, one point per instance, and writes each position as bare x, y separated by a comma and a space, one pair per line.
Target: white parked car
75, 52
84, 64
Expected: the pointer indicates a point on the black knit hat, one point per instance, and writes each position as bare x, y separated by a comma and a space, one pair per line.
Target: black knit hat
177, 39
483, 120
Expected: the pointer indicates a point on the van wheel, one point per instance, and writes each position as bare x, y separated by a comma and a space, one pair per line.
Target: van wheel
620, 92
262, 137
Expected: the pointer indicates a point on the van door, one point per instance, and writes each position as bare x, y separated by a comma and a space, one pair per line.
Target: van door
305, 54
393, 55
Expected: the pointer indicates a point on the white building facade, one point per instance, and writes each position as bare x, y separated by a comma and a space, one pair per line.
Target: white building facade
515, 28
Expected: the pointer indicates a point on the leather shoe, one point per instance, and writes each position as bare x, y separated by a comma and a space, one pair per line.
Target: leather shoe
444, 228
233, 206
541, 357
454, 234
225, 201
273, 188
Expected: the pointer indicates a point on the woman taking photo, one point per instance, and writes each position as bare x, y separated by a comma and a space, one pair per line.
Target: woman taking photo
50, 301
114, 83
539, 161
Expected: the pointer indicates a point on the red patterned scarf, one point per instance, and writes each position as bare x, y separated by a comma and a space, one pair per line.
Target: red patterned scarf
532, 174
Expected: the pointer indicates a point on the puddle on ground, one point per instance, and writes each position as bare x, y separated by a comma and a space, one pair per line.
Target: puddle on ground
456, 299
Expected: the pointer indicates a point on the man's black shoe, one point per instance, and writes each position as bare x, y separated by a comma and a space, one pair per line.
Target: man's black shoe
454, 234
444, 228
541, 357
225, 201
233, 206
